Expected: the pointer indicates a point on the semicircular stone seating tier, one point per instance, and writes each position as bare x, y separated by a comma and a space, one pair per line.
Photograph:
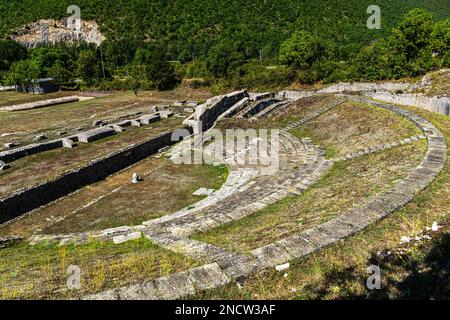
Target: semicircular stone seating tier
246, 192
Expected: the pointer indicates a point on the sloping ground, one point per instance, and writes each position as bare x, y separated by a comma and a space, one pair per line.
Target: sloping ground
303, 164
342, 267
225, 266
10, 97
40, 272
43, 166
22, 127
439, 85
347, 184
164, 188
354, 126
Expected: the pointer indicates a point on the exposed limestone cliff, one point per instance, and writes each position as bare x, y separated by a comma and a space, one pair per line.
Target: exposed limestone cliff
55, 31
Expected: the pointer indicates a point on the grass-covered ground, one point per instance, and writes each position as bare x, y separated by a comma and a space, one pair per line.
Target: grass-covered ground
346, 185
45, 165
165, 188
340, 270
354, 126
11, 97
41, 271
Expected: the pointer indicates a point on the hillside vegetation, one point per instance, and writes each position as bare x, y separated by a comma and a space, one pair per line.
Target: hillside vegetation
189, 28
230, 43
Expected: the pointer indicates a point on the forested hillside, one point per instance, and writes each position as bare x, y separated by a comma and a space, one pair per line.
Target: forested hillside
230, 43
189, 28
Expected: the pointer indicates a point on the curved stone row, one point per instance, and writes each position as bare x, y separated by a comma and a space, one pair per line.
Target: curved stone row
375, 209
214, 275
244, 192
40, 104
379, 148
302, 164
262, 191
272, 108
314, 115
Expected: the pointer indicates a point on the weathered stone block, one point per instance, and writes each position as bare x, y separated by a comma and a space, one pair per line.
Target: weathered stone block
39, 137
125, 238
296, 246
147, 119
96, 134
68, 143
136, 123
174, 286
208, 277
10, 145
271, 255
165, 114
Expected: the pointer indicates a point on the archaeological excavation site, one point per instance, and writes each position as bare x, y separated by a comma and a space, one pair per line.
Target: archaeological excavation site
158, 197
224, 159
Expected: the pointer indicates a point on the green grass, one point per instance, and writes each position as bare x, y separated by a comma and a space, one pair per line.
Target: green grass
347, 184
341, 268
165, 188
353, 126
40, 271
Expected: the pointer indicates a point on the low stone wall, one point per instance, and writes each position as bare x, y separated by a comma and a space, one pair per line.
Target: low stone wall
40, 104
259, 106
364, 86
435, 104
7, 88
33, 197
209, 115
17, 153
85, 136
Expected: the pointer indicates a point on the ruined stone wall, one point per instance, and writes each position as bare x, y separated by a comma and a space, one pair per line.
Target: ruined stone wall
364, 86
209, 115
33, 197
17, 153
40, 104
293, 95
435, 104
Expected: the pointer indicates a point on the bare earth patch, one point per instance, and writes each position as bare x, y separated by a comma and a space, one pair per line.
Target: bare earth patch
164, 188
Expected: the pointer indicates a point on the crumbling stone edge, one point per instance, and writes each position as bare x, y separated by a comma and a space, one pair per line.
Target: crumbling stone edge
29, 198
211, 276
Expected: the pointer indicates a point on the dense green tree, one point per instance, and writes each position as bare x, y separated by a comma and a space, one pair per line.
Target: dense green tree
413, 33
60, 74
302, 49
222, 58
10, 51
21, 73
88, 68
150, 65
440, 37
